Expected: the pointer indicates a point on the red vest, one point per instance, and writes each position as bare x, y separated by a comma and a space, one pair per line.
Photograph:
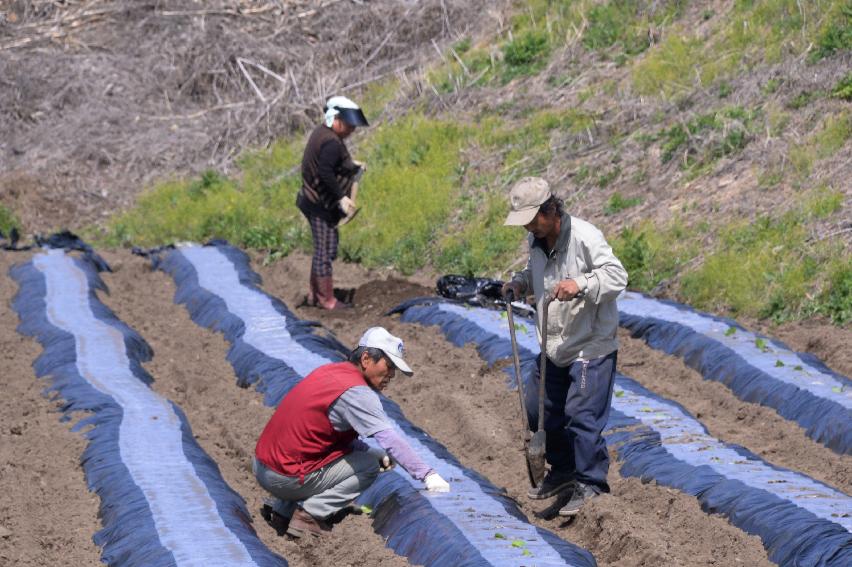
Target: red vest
299, 437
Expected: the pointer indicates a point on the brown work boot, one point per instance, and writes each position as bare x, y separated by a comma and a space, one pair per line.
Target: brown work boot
302, 524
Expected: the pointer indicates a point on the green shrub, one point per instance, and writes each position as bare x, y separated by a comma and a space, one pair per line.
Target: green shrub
669, 69
835, 302
836, 130
801, 100
673, 138
734, 141
687, 139
256, 211
824, 202
615, 22
616, 203
606, 26
823, 143
407, 192
8, 220
836, 35
771, 86
526, 49
481, 244
461, 47
525, 54
607, 177
753, 32
843, 89
768, 268
210, 182
652, 255
746, 268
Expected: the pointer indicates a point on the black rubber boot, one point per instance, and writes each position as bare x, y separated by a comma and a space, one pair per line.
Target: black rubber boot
554, 483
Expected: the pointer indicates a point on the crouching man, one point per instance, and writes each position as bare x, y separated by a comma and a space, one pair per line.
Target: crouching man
309, 456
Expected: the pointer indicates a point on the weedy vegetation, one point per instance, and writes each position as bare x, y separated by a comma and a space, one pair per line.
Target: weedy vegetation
434, 191
8, 220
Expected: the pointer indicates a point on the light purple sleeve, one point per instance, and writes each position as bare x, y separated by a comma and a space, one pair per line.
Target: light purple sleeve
401, 452
359, 408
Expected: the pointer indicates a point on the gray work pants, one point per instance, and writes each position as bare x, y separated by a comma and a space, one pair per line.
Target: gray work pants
325, 491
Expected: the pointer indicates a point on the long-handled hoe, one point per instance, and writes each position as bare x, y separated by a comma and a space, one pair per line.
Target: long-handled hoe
534, 443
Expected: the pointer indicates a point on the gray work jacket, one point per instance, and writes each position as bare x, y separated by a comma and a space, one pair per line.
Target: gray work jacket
584, 327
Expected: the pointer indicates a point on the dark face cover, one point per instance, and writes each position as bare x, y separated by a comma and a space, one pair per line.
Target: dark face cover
352, 116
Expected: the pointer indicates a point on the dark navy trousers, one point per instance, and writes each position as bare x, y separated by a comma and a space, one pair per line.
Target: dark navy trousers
576, 409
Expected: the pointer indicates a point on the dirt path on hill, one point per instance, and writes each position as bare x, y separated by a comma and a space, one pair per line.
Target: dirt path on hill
453, 396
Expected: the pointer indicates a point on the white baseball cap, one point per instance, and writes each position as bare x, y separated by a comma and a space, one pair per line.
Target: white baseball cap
378, 337
526, 197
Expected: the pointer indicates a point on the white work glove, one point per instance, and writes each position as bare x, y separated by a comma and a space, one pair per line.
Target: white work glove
434, 483
347, 206
362, 167
385, 463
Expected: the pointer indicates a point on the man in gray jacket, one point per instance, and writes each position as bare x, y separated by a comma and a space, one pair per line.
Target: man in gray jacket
570, 261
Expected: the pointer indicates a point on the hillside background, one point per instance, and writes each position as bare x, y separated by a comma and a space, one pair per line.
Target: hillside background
709, 140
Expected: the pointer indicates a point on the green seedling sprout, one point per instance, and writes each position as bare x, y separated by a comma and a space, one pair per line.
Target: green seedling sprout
518, 543
619, 393
366, 509
498, 535
730, 331
778, 364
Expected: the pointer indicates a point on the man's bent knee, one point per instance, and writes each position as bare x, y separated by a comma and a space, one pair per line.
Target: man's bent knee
366, 467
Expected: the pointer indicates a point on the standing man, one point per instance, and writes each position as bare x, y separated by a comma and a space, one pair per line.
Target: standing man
570, 261
328, 172
309, 455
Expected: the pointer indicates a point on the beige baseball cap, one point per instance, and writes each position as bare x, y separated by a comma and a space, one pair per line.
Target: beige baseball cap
380, 338
526, 197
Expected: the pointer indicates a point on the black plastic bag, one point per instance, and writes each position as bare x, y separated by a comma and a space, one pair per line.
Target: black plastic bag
476, 291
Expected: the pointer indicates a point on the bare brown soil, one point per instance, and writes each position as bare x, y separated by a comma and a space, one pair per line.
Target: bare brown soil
47, 515
99, 98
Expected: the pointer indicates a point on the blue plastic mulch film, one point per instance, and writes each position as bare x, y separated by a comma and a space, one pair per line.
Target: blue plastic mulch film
756, 368
274, 350
802, 522
163, 501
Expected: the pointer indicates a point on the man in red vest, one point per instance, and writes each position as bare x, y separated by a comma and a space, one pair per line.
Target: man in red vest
309, 456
